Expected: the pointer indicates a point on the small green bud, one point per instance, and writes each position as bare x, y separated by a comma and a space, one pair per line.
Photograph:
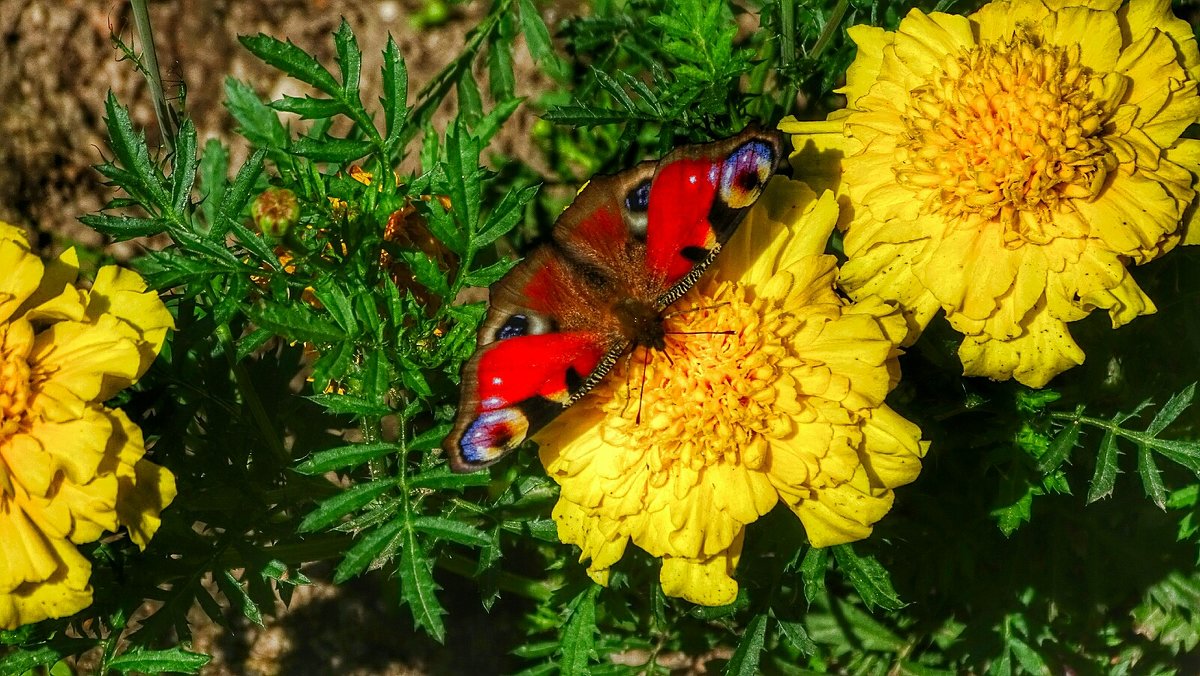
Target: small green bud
275, 211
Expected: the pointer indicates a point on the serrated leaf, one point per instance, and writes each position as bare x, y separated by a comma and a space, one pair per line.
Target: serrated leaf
495, 119
183, 172
812, 572
506, 215
349, 59
296, 322
593, 116
418, 589
345, 456
214, 167
426, 271
337, 304
328, 511
1171, 410
869, 578
579, 634
309, 108
122, 228
1186, 453
332, 364
237, 196
488, 275
501, 80
462, 164
1105, 476
430, 438
23, 661
175, 660
129, 146
449, 529
795, 634
442, 478
1060, 447
1027, 657
1151, 477
395, 91
442, 225
350, 404
292, 60
238, 598
537, 39
257, 121
744, 661
250, 342
365, 551
330, 149
470, 103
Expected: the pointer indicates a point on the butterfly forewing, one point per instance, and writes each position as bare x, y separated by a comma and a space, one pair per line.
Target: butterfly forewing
639, 238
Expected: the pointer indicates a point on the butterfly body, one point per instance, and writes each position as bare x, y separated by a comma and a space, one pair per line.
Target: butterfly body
627, 247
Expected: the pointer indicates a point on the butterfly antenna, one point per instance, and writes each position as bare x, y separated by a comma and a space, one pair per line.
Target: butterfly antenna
642, 390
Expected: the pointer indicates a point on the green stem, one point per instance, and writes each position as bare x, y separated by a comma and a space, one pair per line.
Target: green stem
516, 584
257, 411
168, 119
831, 27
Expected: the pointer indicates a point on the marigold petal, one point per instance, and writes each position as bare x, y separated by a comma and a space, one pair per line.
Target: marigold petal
82, 357
62, 592
1043, 351
1141, 16
1186, 153
20, 280
1132, 216
871, 41
842, 513
707, 581
923, 40
122, 294
1103, 44
997, 21
893, 448
1165, 99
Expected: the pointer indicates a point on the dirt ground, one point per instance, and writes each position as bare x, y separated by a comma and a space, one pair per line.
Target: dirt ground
57, 61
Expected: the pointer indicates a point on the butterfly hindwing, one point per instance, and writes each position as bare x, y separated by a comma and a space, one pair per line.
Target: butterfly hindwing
553, 328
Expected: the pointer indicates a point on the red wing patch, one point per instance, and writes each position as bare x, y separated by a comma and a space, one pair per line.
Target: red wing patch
680, 200
517, 369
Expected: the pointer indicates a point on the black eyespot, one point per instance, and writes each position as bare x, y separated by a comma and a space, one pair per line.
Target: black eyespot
638, 199
694, 254
517, 325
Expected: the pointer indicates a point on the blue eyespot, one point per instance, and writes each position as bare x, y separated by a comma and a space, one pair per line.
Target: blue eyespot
638, 199
517, 325
745, 172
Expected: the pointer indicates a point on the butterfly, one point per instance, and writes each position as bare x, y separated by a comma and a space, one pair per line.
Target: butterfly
629, 246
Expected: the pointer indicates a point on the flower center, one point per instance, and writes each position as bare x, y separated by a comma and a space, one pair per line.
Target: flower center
708, 397
1006, 129
15, 391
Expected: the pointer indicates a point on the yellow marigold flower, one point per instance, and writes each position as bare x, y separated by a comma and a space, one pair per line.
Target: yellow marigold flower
1005, 167
788, 408
70, 468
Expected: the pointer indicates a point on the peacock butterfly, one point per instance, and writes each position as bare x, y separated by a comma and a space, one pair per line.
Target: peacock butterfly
627, 247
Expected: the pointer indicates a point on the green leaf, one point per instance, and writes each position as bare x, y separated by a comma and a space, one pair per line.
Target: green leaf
501, 81
175, 660
1027, 657
442, 478
330, 149
332, 364
24, 661
238, 598
1171, 410
506, 215
183, 173
349, 59
1151, 477
345, 456
492, 122
257, 121
1186, 453
1060, 447
426, 272
122, 228
537, 38
1105, 476
295, 322
352, 499
337, 304
418, 589
795, 634
812, 572
129, 146
350, 404
449, 529
462, 164
395, 91
488, 275
430, 438
367, 550
292, 60
470, 104
237, 196
214, 165
744, 661
309, 108
579, 634
869, 578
